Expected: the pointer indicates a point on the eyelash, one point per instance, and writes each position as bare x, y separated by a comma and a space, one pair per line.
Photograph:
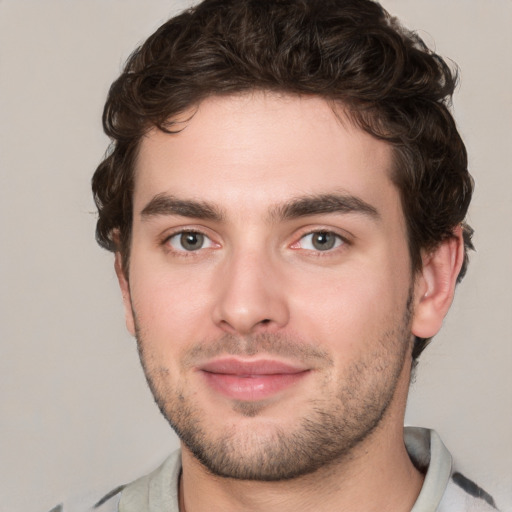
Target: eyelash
340, 242
184, 252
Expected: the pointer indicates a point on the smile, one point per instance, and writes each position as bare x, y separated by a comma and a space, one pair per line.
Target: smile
251, 380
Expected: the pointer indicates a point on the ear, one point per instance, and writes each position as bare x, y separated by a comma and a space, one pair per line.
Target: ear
125, 290
435, 285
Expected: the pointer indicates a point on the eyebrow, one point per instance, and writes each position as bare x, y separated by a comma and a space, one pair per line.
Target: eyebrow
305, 206
164, 204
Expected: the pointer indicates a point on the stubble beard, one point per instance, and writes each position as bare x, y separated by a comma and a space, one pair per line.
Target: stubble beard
325, 434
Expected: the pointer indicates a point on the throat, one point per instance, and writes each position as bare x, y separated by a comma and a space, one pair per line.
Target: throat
358, 485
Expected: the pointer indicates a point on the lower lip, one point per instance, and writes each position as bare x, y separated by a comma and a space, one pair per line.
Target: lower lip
252, 387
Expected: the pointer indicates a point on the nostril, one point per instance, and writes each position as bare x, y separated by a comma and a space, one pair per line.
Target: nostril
265, 321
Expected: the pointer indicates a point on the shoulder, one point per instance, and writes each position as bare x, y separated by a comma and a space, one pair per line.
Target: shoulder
108, 503
464, 494
444, 486
151, 489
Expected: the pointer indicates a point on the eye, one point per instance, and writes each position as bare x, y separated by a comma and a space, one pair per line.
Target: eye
189, 241
320, 241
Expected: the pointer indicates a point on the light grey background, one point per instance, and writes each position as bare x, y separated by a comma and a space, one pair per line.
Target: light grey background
75, 413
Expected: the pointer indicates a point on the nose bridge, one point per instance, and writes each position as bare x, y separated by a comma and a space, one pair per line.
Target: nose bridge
251, 296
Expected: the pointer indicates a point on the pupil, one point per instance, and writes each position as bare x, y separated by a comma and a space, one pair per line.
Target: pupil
192, 241
323, 241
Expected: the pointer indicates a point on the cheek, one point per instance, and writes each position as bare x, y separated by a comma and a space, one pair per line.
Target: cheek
351, 307
171, 308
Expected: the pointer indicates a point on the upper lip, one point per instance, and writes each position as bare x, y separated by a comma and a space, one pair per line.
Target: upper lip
235, 366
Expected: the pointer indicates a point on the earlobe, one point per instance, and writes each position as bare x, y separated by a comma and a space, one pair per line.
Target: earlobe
125, 291
435, 285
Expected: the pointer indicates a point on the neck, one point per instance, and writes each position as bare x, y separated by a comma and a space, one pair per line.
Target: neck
377, 476
385, 481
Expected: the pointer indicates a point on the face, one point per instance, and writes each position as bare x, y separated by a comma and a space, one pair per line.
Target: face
269, 284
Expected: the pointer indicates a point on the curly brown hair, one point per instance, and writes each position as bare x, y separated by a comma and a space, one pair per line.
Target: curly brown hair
350, 52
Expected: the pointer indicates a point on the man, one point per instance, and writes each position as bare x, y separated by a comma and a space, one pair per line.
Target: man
285, 197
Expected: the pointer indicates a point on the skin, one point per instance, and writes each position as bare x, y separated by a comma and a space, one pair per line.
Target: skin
259, 289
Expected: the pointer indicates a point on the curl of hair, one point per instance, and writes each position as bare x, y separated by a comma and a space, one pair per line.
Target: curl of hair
350, 52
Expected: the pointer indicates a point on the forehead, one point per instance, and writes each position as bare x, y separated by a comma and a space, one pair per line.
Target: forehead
263, 148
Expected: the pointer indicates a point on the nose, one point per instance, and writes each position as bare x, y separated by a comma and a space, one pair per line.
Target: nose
251, 295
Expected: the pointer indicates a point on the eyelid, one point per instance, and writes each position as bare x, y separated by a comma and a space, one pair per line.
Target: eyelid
344, 238
179, 231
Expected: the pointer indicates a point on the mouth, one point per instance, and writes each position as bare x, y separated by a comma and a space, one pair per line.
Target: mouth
251, 380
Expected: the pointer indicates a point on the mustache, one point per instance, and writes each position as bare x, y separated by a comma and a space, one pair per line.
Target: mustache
267, 344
